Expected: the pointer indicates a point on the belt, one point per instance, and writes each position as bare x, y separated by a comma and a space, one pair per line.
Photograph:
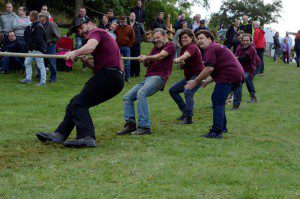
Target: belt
115, 69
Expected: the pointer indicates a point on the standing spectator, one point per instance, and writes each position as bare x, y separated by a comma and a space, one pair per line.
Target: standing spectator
7, 21
297, 48
12, 63
158, 22
125, 40
260, 45
159, 69
196, 23
176, 37
110, 16
139, 12
245, 26
52, 35
79, 39
276, 46
36, 43
201, 27
45, 9
104, 23
290, 42
20, 24
179, 22
81, 15
286, 51
112, 28
231, 36
135, 50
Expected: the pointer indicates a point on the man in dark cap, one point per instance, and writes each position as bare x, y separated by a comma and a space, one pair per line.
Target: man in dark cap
106, 83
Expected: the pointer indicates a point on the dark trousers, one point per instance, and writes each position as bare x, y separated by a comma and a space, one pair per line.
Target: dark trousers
261, 68
12, 63
135, 51
234, 45
286, 57
186, 107
104, 85
239, 89
218, 99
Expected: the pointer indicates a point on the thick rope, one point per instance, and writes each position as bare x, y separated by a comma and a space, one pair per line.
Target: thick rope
11, 54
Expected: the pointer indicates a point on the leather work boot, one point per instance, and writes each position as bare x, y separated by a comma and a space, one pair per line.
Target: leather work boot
51, 137
141, 131
128, 128
187, 120
181, 117
253, 98
83, 142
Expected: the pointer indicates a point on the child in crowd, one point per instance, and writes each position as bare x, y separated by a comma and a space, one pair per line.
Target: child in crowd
285, 52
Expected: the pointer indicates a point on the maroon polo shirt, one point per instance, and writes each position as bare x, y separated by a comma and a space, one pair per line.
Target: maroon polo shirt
107, 53
248, 58
227, 69
193, 65
162, 67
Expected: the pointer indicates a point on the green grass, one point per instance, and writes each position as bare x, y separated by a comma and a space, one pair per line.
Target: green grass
258, 158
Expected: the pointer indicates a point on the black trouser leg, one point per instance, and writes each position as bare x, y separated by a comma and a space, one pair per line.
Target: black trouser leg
135, 51
99, 88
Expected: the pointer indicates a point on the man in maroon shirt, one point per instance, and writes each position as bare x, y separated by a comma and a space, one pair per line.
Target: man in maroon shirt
246, 55
106, 83
225, 70
159, 63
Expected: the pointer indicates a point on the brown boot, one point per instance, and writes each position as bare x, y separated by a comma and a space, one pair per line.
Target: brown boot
253, 98
128, 128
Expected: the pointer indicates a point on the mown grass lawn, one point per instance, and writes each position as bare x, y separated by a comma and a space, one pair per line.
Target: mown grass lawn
257, 158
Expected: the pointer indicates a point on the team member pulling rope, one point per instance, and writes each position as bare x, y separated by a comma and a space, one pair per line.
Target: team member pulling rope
106, 83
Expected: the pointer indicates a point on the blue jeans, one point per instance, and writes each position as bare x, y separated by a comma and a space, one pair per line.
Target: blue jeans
7, 62
232, 44
51, 49
125, 51
79, 42
238, 90
40, 64
218, 99
139, 93
187, 106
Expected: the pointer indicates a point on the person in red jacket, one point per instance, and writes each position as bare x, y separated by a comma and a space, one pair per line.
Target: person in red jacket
260, 45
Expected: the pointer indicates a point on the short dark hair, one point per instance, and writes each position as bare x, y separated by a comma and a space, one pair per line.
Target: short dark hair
189, 33
34, 14
11, 32
206, 33
24, 9
82, 8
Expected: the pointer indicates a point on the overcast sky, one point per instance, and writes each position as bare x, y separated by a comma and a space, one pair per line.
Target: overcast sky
289, 21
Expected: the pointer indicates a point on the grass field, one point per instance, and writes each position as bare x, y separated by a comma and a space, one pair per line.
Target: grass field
257, 158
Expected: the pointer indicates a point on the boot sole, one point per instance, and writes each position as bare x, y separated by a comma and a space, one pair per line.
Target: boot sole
45, 139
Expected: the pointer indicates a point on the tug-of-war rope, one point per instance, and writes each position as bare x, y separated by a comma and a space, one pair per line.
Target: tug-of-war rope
10, 54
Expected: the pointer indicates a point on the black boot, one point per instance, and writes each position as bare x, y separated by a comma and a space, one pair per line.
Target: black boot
253, 98
187, 120
235, 107
128, 128
83, 142
141, 131
50, 137
181, 118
